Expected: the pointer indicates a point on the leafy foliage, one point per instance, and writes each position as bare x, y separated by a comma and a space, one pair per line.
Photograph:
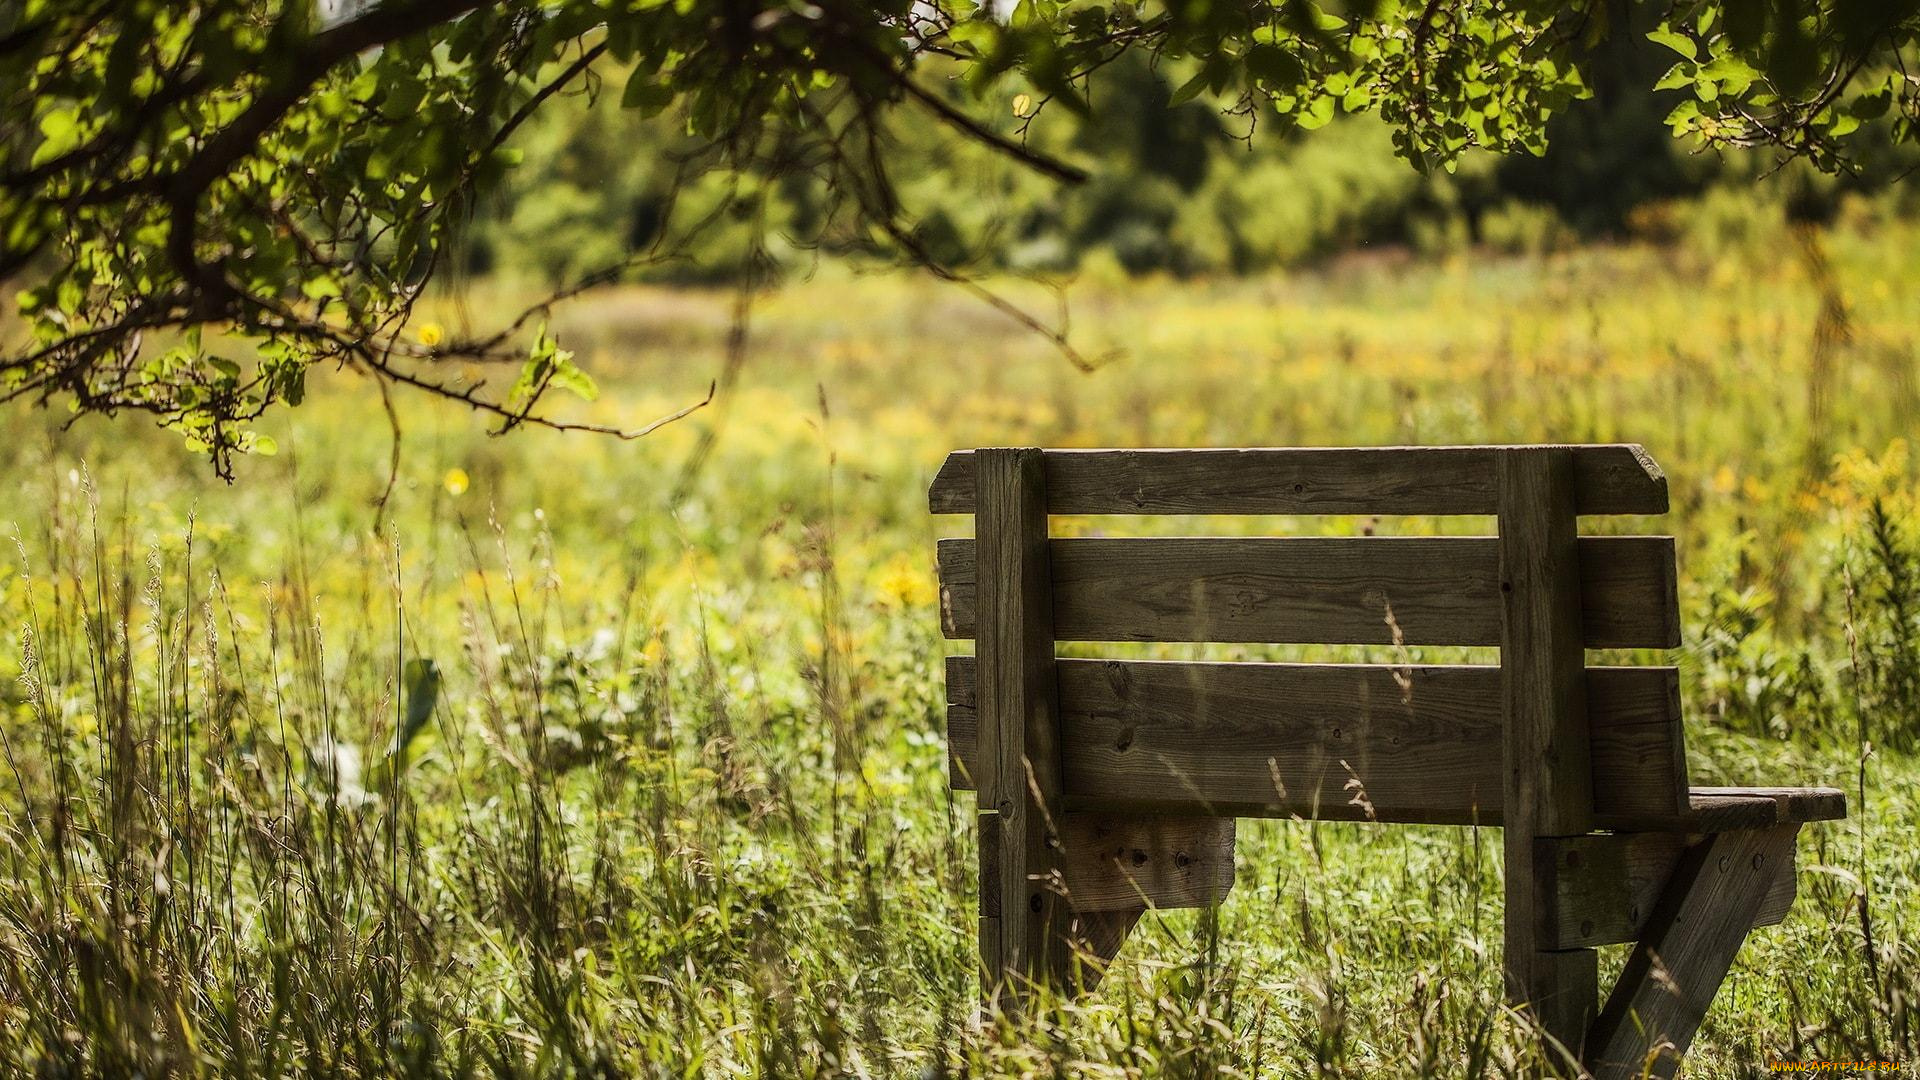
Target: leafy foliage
291, 175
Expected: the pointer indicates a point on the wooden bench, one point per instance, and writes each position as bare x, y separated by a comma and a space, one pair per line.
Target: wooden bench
1110, 786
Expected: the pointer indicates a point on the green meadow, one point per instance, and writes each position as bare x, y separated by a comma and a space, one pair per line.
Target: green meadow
557, 754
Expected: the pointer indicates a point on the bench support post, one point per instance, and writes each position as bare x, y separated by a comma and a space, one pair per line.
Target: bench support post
1548, 776
1026, 920
1691, 938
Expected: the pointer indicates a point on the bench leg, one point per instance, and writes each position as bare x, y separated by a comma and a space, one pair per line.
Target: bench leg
1548, 788
1027, 928
1025, 924
1070, 963
1702, 918
1557, 988
1097, 937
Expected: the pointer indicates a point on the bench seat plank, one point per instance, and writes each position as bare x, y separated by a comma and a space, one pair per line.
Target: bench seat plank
1328, 590
1726, 809
1608, 479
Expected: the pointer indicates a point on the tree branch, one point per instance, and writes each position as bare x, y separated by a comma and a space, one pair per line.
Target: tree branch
382, 25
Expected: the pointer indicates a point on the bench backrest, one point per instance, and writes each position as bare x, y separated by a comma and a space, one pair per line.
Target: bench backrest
1389, 742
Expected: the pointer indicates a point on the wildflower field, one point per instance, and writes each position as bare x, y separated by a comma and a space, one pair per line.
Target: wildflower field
562, 755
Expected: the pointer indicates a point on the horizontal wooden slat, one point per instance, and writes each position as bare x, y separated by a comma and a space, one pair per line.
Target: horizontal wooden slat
1605, 887
1608, 479
1278, 740
1332, 590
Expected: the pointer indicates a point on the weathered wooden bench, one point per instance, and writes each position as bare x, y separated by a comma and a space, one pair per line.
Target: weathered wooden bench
1110, 786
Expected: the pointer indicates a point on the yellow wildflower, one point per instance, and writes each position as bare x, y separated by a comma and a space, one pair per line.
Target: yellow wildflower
903, 582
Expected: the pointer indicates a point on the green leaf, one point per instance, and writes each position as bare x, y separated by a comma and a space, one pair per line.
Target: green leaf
1684, 117
423, 693
568, 376
550, 365
1871, 106
60, 131
645, 93
1733, 74
1678, 76
1673, 39
1190, 89
1318, 113
321, 287
421, 682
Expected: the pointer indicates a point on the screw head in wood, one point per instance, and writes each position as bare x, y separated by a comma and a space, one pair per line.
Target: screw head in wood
1724, 862
1758, 859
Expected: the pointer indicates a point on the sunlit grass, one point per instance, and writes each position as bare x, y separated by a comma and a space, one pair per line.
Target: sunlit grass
679, 804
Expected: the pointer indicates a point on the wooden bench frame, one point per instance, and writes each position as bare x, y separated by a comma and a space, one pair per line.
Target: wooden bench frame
1110, 787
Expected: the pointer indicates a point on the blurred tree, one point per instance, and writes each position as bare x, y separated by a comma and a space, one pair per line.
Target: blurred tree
291, 173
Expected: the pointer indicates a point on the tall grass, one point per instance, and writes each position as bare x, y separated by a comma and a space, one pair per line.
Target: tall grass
238, 849
563, 775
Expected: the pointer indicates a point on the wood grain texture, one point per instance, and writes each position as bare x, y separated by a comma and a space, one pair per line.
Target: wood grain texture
1791, 805
1725, 809
1097, 937
992, 967
1019, 735
1279, 740
1606, 886
1608, 479
1346, 590
1101, 780
1117, 862
1549, 789
1670, 979
1564, 985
